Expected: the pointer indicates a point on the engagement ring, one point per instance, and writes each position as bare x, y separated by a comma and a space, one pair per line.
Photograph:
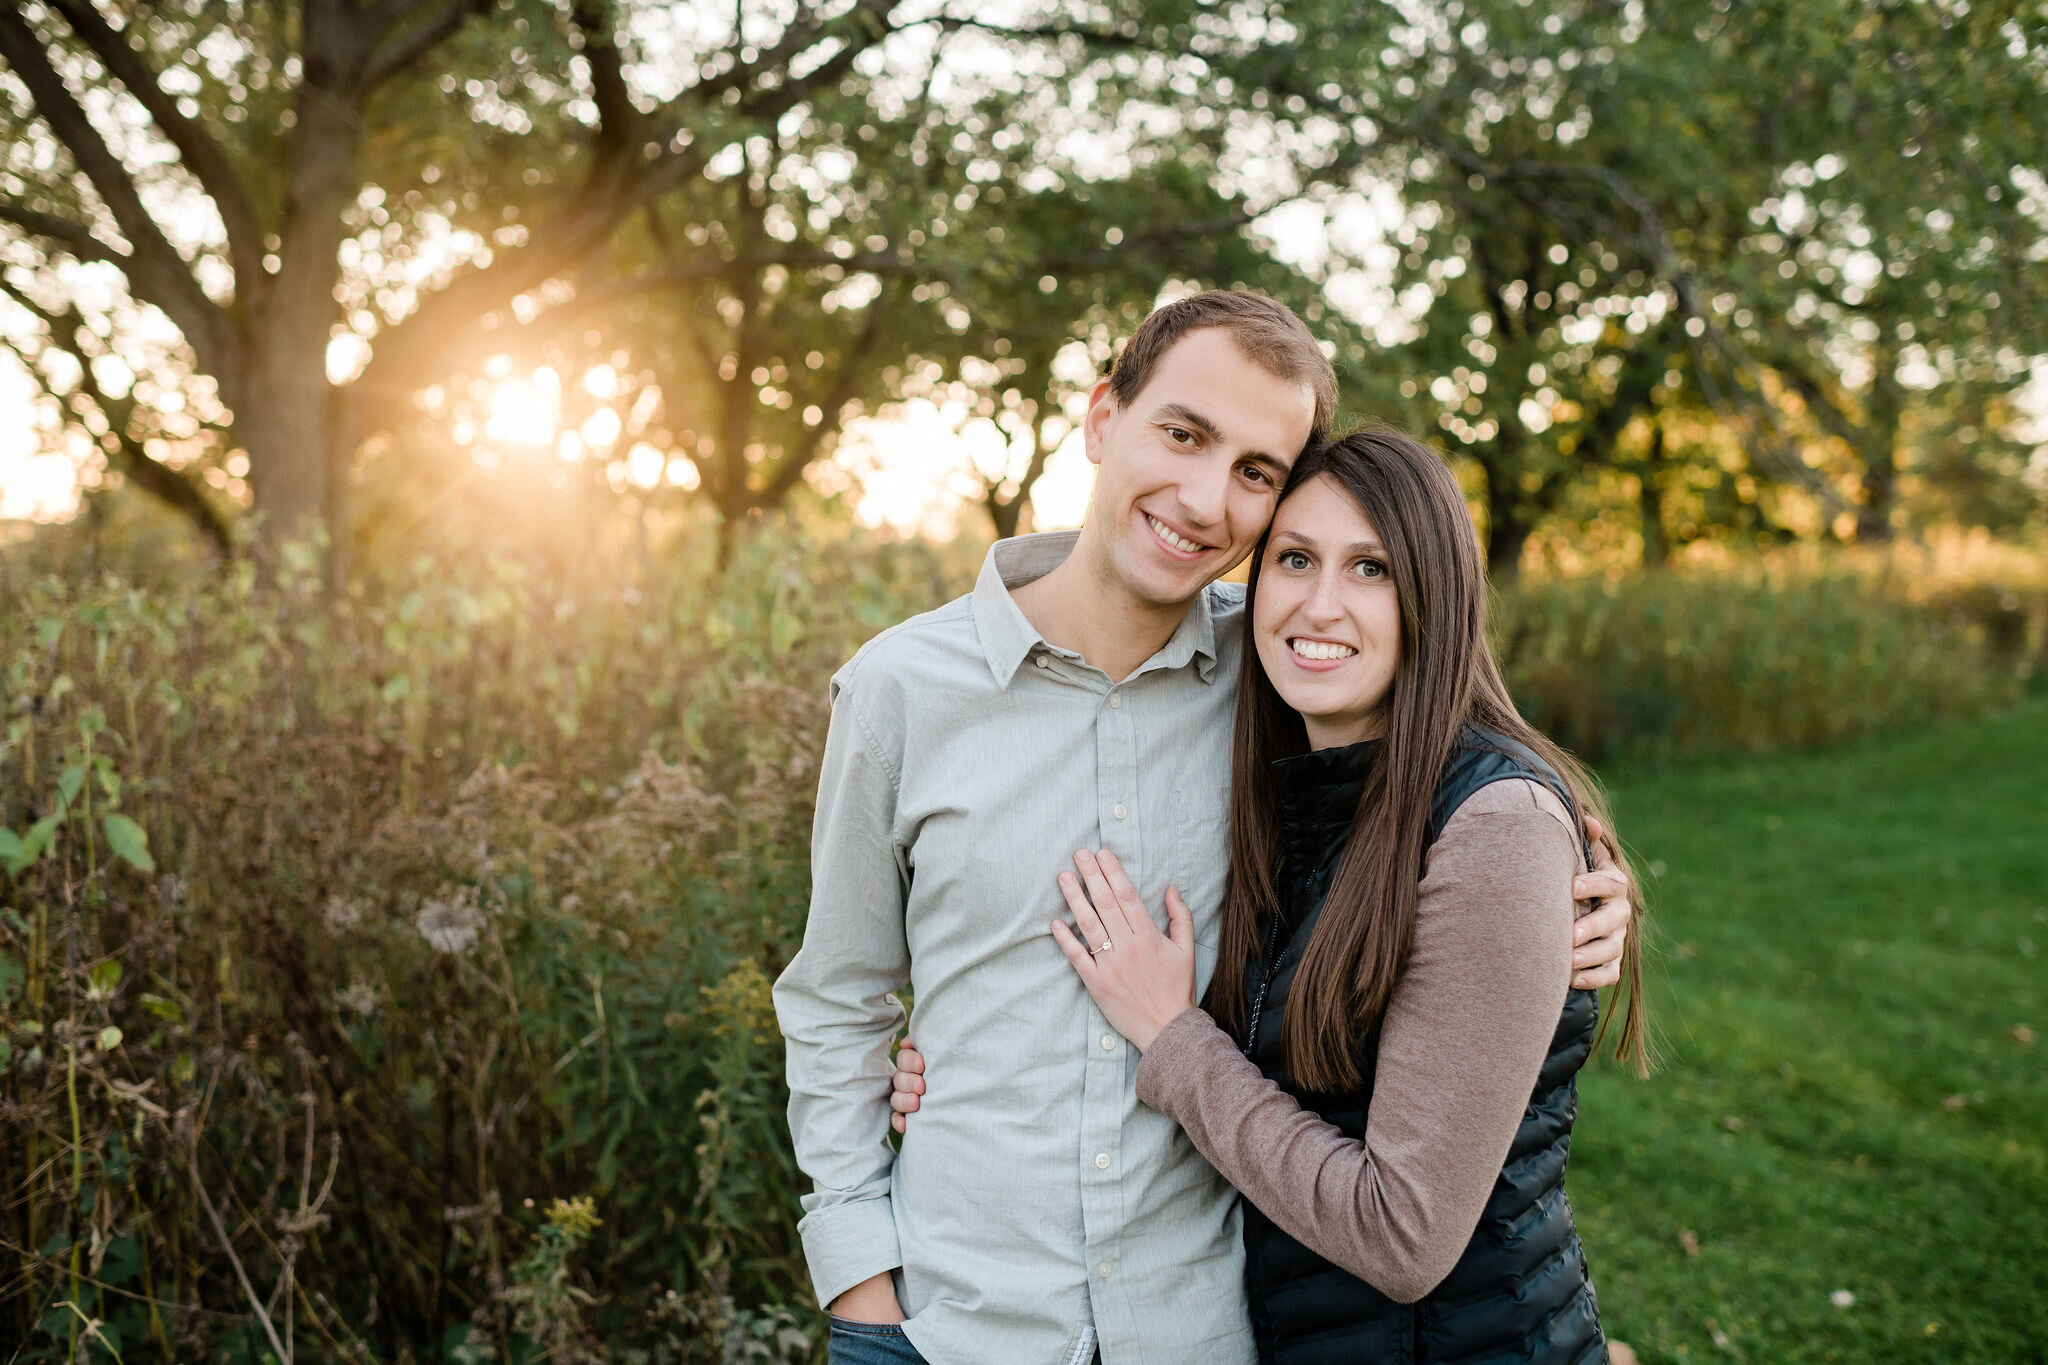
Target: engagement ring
1106, 946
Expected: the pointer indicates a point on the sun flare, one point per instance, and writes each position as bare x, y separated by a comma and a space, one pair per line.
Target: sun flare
525, 412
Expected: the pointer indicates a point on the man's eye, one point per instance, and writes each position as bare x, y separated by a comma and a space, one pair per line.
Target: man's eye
1254, 473
1179, 435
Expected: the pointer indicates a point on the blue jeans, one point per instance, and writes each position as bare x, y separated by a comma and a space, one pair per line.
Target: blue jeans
869, 1343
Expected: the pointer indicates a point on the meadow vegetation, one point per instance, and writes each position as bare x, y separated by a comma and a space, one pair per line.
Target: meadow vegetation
1846, 1154
387, 979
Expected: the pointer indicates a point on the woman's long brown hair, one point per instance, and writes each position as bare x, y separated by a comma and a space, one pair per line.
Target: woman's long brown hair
1446, 679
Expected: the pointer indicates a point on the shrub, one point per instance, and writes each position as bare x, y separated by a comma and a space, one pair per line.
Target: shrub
393, 976
1772, 654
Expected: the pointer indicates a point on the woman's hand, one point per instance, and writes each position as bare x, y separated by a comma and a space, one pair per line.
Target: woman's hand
1140, 978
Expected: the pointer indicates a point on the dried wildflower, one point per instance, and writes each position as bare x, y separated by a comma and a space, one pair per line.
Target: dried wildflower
450, 923
359, 996
343, 912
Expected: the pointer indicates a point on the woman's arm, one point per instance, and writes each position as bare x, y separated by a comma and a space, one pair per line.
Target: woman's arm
1463, 1039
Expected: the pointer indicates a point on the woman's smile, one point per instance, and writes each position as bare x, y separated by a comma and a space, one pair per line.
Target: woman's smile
1319, 655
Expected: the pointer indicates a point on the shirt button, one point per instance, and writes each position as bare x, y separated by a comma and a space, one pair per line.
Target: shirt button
1119, 812
1044, 662
1103, 1270
1109, 1042
1102, 1161
1116, 700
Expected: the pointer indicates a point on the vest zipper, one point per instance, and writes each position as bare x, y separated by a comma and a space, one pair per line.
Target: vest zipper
1266, 968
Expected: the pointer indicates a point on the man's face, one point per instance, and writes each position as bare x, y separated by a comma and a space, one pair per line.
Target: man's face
1190, 469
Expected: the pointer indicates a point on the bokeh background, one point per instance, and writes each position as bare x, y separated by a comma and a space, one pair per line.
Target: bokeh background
446, 444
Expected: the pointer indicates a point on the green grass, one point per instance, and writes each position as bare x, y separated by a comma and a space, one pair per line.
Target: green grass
1845, 944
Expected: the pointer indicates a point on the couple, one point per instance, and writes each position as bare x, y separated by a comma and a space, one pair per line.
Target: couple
1365, 858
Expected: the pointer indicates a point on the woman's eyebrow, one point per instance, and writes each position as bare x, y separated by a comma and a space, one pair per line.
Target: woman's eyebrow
1357, 547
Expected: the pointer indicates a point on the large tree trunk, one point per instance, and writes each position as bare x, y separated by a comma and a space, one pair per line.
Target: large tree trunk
1650, 504
1880, 448
1509, 517
1005, 516
287, 420
1507, 535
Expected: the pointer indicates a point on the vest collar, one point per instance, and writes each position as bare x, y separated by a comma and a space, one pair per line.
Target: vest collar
1318, 792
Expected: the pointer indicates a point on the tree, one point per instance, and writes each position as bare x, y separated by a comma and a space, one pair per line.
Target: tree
1809, 191
287, 133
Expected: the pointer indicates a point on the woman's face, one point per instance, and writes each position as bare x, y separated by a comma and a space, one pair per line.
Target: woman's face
1327, 622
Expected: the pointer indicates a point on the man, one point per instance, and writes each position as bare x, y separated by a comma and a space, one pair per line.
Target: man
1079, 697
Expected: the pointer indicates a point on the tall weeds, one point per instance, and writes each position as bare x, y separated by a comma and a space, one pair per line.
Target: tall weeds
1782, 652
387, 980
344, 949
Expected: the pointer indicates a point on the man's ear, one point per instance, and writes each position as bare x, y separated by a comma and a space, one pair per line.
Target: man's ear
1102, 407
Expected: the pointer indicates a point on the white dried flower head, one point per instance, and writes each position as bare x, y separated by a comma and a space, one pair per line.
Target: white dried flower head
450, 923
343, 912
359, 996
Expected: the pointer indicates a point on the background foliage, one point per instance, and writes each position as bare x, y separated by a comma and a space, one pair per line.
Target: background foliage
396, 976
408, 744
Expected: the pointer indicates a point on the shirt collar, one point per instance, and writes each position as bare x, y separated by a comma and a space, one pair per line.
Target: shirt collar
1008, 637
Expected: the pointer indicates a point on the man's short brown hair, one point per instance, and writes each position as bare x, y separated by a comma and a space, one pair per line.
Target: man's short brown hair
1266, 332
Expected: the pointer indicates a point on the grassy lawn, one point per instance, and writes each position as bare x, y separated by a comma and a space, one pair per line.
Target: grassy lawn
1850, 954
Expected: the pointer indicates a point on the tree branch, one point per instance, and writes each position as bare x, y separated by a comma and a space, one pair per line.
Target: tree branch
616, 116
852, 370
395, 54
201, 154
160, 480
74, 237
1766, 442
155, 270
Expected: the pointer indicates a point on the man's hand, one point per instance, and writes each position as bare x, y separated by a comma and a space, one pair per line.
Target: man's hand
872, 1300
906, 1085
1600, 934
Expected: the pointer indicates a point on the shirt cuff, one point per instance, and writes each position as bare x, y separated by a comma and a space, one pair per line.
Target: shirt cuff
847, 1243
1174, 1062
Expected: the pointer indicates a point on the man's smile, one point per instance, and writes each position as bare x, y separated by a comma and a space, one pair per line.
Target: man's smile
1174, 539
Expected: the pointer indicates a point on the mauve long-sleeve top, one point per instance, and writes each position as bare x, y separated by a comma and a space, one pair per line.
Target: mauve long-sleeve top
1464, 1035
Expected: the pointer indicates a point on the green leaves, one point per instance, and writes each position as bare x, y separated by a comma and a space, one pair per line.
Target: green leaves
19, 851
102, 978
128, 840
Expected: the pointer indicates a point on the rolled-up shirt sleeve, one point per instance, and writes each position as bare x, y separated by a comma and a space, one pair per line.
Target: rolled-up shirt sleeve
838, 1011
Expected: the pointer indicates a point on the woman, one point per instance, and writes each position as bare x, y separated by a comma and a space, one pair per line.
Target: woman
1386, 1067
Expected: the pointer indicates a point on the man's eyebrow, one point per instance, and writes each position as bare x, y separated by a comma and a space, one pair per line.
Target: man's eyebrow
1183, 415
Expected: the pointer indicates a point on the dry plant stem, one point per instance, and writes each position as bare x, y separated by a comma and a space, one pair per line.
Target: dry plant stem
248, 1290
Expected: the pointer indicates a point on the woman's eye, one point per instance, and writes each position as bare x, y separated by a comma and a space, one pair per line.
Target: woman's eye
1371, 569
1293, 559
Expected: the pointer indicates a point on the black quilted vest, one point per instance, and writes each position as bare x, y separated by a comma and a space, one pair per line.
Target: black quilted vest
1519, 1292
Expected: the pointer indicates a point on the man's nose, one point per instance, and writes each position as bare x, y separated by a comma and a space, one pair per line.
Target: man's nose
1206, 494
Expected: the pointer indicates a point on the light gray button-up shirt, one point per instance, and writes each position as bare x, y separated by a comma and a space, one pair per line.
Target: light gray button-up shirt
1035, 1207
